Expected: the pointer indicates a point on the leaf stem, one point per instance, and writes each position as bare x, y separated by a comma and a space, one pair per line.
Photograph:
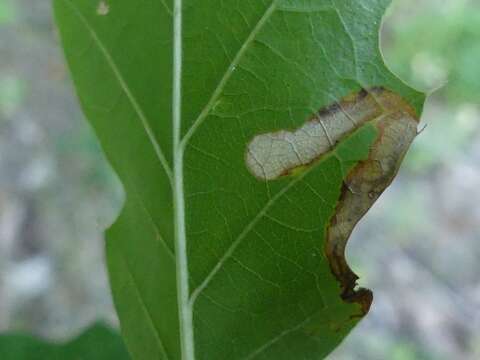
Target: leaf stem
184, 308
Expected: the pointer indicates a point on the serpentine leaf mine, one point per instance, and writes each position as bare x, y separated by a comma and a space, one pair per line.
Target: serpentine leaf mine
273, 155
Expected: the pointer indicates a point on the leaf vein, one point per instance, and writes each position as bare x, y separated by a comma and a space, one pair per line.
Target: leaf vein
246, 230
155, 228
231, 68
144, 308
277, 338
124, 86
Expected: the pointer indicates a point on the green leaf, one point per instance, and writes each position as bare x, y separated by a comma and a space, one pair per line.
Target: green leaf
214, 256
98, 342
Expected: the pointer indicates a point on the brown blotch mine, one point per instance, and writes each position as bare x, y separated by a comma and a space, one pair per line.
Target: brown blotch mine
397, 128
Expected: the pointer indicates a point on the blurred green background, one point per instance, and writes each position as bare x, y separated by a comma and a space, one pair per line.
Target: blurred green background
418, 248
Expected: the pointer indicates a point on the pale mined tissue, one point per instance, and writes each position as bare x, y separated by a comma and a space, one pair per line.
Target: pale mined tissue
103, 8
275, 154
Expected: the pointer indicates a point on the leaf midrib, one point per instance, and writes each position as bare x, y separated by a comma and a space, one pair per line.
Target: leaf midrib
185, 300
187, 343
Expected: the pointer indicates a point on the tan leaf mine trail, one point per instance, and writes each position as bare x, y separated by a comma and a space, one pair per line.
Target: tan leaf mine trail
273, 155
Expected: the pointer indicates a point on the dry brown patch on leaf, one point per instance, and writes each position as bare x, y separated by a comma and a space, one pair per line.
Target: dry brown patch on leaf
397, 128
276, 154
279, 153
272, 155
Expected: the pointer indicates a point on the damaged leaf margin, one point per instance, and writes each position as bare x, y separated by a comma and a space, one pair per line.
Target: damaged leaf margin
288, 153
397, 128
